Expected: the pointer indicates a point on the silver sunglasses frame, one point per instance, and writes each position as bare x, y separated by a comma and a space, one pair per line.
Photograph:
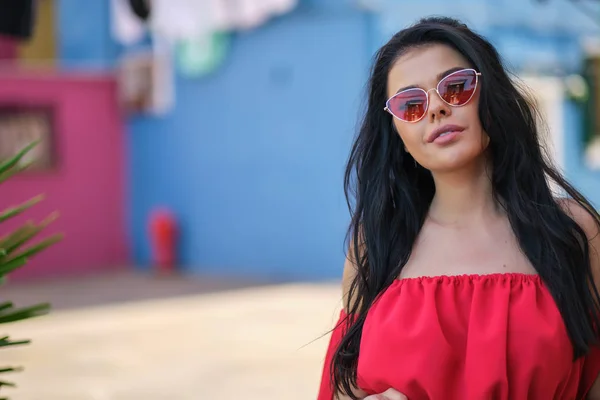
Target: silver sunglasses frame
477, 75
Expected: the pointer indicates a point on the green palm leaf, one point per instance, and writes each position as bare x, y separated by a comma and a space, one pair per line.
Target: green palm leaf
16, 250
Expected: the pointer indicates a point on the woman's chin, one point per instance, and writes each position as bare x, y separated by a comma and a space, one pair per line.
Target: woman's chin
455, 161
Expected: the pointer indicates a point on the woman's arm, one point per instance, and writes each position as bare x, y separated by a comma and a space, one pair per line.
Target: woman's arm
348, 276
589, 226
325, 391
390, 394
594, 393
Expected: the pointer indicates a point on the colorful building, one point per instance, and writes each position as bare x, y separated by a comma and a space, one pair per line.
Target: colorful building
249, 148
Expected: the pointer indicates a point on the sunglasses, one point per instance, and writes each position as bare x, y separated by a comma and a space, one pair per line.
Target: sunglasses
455, 89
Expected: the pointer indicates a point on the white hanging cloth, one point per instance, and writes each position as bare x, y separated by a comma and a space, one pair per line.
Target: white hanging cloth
248, 14
187, 19
126, 27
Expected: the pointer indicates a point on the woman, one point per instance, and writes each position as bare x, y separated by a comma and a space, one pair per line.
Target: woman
469, 280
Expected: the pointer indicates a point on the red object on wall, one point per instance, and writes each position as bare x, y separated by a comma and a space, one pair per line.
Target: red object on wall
163, 234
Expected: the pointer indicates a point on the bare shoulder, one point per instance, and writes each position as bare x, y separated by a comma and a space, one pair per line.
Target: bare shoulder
349, 275
586, 220
582, 216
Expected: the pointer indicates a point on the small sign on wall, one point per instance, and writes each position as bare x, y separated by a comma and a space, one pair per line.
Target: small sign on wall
21, 125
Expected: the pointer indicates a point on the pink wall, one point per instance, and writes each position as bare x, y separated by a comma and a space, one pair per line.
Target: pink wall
8, 48
87, 187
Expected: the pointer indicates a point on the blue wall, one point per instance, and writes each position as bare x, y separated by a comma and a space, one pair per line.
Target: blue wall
251, 159
84, 39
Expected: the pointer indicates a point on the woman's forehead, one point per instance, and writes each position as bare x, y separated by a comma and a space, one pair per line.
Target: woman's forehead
422, 66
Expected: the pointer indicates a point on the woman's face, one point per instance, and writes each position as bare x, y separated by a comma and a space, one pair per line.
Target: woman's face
465, 143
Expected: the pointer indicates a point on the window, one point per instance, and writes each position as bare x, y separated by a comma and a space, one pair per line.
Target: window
20, 126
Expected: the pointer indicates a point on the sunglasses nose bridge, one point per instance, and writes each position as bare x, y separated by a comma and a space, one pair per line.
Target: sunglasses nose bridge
436, 91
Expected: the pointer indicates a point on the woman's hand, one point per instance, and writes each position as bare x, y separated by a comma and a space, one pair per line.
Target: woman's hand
390, 394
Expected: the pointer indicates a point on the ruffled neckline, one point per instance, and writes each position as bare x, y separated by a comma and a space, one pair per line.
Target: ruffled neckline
517, 277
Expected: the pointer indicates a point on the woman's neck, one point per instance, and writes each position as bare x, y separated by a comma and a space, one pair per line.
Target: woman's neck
463, 197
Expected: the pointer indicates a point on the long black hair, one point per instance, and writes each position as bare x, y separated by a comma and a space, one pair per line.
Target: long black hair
389, 194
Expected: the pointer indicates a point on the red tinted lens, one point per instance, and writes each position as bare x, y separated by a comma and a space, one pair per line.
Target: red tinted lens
409, 105
458, 88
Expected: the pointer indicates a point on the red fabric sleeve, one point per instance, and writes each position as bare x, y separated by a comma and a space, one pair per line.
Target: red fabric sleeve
326, 389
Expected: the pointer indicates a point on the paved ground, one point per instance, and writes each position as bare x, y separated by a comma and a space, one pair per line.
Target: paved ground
115, 287
245, 343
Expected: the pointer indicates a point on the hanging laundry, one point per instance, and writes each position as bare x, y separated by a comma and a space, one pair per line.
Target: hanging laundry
202, 56
176, 20
248, 14
141, 8
127, 28
196, 28
188, 19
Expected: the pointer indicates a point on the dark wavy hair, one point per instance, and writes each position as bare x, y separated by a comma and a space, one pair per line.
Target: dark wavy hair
389, 194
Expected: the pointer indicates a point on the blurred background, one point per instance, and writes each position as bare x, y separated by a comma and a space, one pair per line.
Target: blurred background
195, 152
